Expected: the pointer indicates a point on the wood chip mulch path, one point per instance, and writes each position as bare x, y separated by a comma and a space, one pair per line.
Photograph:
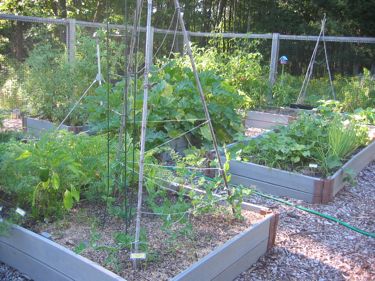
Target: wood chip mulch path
309, 247
12, 125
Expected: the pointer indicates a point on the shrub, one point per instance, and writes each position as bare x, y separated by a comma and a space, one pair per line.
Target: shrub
52, 85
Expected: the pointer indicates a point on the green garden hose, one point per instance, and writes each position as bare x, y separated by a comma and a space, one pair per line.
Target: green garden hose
363, 232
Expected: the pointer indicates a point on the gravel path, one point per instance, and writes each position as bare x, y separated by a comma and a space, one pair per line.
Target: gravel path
312, 248
8, 273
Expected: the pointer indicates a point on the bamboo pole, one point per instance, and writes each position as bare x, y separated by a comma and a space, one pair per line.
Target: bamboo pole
302, 93
201, 93
128, 70
146, 86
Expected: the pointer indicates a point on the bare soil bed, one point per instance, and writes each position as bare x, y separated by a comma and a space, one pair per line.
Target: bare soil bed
170, 251
309, 247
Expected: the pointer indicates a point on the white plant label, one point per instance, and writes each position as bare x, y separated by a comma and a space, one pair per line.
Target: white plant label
20, 212
312, 165
138, 256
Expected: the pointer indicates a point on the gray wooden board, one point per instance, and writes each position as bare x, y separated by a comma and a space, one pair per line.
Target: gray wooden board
57, 256
243, 262
43, 259
36, 127
261, 124
270, 117
213, 264
274, 189
274, 176
356, 164
29, 265
283, 183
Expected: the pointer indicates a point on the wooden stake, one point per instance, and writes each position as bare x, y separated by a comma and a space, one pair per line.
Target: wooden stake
200, 90
302, 93
143, 128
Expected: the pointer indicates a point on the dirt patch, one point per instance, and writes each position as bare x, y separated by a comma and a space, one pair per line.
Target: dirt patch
170, 250
253, 132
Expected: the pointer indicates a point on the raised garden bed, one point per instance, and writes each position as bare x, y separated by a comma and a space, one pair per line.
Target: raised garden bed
37, 127
270, 119
43, 259
298, 186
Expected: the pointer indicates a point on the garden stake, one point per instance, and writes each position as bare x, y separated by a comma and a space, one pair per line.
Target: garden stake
201, 93
146, 86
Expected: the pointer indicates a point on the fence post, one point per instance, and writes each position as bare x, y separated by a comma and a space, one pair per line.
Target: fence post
274, 58
71, 39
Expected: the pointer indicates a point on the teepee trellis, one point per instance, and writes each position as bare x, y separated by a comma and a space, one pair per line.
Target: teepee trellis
146, 85
309, 71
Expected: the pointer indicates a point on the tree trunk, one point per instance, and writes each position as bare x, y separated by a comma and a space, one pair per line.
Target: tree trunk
99, 11
63, 9
222, 6
18, 41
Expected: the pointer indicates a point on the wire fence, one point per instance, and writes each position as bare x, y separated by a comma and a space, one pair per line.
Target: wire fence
72, 40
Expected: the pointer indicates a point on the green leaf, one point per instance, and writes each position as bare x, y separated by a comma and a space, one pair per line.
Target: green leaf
206, 133
75, 193
68, 200
80, 248
26, 154
295, 159
74, 170
333, 162
55, 180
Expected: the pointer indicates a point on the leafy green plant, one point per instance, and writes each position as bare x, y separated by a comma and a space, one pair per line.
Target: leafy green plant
53, 85
342, 140
241, 68
50, 175
358, 92
326, 140
367, 116
174, 85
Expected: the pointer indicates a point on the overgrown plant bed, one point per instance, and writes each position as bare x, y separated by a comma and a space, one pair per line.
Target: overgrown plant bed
299, 186
37, 127
309, 160
212, 246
